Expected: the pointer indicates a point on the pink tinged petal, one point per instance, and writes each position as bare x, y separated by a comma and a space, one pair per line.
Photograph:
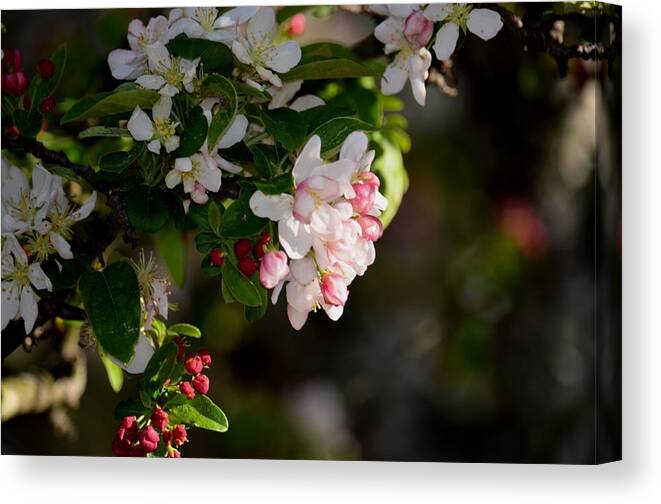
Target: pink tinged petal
173, 178
446, 41
371, 227
284, 57
281, 95
354, 146
262, 27
326, 222
235, 132
418, 73
380, 201
418, 29
334, 312
140, 125
334, 289
308, 159
149, 81
306, 102
304, 204
136, 29
275, 294
199, 195
484, 23
154, 146
61, 246
271, 206
295, 237
126, 65
10, 302
273, 269
143, 353
303, 271
393, 79
297, 318
390, 33
28, 308
303, 297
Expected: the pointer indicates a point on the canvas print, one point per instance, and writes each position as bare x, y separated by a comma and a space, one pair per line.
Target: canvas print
345, 232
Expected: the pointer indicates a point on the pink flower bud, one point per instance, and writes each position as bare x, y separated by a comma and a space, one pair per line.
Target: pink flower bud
159, 419
187, 389
242, 247
12, 60
205, 356
46, 68
364, 199
178, 435
297, 25
418, 29
217, 257
370, 178
148, 439
371, 227
193, 364
201, 383
120, 448
14, 83
247, 266
273, 268
334, 289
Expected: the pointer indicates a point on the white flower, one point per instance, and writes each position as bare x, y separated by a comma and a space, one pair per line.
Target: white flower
204, 22
168, 74
235, 132
143, 352
257, 48
130, 64
22, 204
484, 23
159, 132
154, 289
198, 173
281, 95
411, 62
62, 215
18, 279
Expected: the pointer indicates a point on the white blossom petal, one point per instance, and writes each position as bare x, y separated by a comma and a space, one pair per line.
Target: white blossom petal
271, 206
61, 245
140, 125
284, 57
295, 237
297, 318
393, 79
10, 302
306, 102
28, 308
38, 278
446, 41
235, 133
484, 23
308, 160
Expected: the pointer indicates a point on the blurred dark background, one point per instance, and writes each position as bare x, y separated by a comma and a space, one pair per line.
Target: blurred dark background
494, 298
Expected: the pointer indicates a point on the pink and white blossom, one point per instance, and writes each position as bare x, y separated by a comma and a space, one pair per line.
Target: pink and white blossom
273, 268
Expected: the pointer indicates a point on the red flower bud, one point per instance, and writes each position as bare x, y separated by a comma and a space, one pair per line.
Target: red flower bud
205, 356
217, 257
193, 364
128, 430
12, 61
181, 347
14, 83
159, 419
148, 439
120, 448
247, 266
297, 24
187, 389
242, 248
47, 105
201, 383
27, 104
178, 435
263, 242
46, 68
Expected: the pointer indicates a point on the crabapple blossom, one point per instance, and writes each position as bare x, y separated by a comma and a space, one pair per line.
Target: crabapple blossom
334, 289
167, 74
206, 23
485, 23
257, 48
18, 280
159, 132
142, 353
281, 96
154, 289
129, 64
198, 173
273, 268
235, 132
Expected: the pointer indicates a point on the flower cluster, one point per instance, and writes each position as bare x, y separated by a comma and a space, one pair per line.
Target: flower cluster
194, 364
15, 83
37, 222
327, 228
408, 30
252, 35
140, 437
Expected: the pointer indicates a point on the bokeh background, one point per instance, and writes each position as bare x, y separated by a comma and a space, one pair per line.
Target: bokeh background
488, 328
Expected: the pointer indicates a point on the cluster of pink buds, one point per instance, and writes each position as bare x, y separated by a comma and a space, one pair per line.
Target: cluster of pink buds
194, 364
14, 81
132, 441
250, 254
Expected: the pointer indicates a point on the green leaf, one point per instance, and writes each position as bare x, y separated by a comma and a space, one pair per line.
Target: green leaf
239, 221
162, 365
389, 166
110, 103
104, 131
130, 407
185, 330
278, 185
218, 59
147, 208
286, 126
117, 162
333, 132
205, 242
333, 68
172, 249
189, 48
263, 157
317, 116
240, 287
112, 301
215, 215
198, 214
114, 372
227, 295
254, 313
28, 123
217, 86
194, 134
246, 90
197, 412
